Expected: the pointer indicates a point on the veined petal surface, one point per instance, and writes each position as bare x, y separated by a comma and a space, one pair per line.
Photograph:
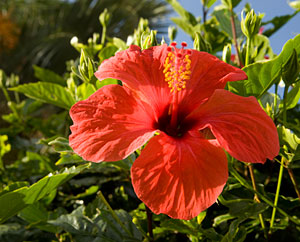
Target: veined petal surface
179, 177
208, 73
110, 125
141, 71
240, 125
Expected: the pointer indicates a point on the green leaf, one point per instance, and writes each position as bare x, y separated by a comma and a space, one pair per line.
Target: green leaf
180, 226
120, 44
186, 16
13, 202
209, 3
85, 90
107, 52
69, 158
61, 144
101, 226
186, 26
290, 143
48, 93
232, 231
4, 148
278, 22
223, 17
105, 82
262, 47
222, 218
45, 75
262, 75
292, 97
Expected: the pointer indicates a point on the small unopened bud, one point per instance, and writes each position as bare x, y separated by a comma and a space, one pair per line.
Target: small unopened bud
74, 41
172, 32
200, 43
290, 70
251, 23
226, 56
104, 18
149, 41
2, 79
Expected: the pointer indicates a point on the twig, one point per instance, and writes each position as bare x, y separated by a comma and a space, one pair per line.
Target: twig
149, 220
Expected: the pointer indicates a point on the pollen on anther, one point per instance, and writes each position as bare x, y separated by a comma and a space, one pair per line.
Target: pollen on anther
177, 67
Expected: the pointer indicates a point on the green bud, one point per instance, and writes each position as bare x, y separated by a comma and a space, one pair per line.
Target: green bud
226, 53
143, 25
104, 18
2, 79
251, 23
172, 32
290, 70
148, 40
200, 43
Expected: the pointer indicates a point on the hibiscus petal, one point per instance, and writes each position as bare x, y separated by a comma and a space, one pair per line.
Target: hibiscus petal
110, 125
179, 177
240, 125
141, 71
208, 73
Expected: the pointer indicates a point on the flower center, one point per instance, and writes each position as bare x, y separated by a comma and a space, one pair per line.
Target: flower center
177, 67
177, 71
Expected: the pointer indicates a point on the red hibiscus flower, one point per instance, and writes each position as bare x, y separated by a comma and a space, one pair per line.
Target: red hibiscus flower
179, 94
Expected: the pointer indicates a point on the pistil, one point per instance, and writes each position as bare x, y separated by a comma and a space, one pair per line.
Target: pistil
177, 71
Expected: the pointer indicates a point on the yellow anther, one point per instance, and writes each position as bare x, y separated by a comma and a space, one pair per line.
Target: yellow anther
177, 69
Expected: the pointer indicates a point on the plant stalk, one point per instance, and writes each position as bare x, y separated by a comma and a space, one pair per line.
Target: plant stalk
114, 215
281, 165
149, 220
260, 216
291, 174
233, 29
247, 61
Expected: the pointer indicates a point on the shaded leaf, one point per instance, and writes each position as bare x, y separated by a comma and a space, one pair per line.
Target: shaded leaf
48, 93
46, 75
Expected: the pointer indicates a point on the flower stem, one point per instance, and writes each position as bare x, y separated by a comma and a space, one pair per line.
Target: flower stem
149, 220
281, 164
275, 101
112, 212
248, 52
233, 29
291, 173
277, 194
261, 218
103, 36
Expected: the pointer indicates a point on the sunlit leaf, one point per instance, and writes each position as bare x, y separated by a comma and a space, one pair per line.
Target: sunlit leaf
48, 93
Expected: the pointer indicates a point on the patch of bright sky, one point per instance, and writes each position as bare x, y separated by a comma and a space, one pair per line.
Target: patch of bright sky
271, 9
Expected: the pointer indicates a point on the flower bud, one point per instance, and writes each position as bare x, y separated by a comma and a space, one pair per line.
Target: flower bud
226, 56
149, 40
104, 18
251, 23
290, 70
2, 79
172, 32
200, 43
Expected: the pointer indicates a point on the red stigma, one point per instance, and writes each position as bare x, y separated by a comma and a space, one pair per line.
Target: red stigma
179, 55
184, 44
169, 49
173, 44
